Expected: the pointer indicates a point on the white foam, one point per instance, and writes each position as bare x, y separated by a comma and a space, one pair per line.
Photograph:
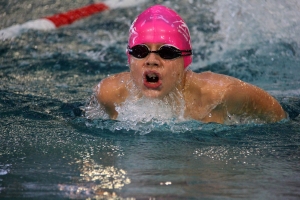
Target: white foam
246, 23
145, 110
141, 115
14, 31
123, 3
294, 92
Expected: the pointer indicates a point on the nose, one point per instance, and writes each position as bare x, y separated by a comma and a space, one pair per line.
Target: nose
153, 60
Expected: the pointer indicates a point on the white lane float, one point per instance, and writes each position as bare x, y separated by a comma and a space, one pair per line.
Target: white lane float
66, 18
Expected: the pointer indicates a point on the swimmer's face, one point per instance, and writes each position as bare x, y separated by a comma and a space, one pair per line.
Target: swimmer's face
154, 76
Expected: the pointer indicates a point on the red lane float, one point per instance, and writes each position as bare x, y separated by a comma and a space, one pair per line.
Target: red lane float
66, 18
71, 16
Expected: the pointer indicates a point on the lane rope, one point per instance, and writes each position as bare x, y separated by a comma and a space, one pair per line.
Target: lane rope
71, 16
66, 18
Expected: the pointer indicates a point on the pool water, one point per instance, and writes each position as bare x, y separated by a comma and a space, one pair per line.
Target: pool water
50, 150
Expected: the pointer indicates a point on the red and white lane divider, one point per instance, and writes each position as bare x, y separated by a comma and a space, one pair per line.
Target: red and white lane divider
62, 19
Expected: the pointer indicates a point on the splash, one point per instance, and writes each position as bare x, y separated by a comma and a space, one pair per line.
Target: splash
254, 24
250, 22
142, 115
145, 109
94, 110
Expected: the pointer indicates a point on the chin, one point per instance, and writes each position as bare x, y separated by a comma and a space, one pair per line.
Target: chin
153, 94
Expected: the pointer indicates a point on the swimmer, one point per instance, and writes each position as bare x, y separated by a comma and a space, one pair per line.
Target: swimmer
159, 52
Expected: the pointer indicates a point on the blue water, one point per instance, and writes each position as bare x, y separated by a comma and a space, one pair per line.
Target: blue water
50, 150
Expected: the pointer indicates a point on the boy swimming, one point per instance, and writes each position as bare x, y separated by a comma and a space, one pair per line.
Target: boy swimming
159, 52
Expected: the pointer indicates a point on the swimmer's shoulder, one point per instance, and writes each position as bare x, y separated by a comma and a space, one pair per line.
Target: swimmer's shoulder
236, 96
112, 90
211, 76
233, 88
116, 80
241, 98
204, 94
209, 80
207, 88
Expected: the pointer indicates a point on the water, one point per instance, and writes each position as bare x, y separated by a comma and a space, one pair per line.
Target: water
48, 150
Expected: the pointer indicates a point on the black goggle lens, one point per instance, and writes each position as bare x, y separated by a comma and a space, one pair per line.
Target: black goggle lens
139, 51
165, 52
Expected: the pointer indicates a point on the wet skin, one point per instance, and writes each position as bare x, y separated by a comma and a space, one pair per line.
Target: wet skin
156, 77
208, 97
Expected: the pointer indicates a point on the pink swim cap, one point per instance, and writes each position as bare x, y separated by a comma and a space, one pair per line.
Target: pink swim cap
159, 24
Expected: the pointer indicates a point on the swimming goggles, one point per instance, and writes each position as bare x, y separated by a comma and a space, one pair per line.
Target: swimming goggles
165, 51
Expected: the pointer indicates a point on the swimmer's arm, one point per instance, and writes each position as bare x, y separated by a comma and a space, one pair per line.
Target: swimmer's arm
248, 100
111, 92
105, 99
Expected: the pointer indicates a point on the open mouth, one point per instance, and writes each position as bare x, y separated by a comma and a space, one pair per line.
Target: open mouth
152, 79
